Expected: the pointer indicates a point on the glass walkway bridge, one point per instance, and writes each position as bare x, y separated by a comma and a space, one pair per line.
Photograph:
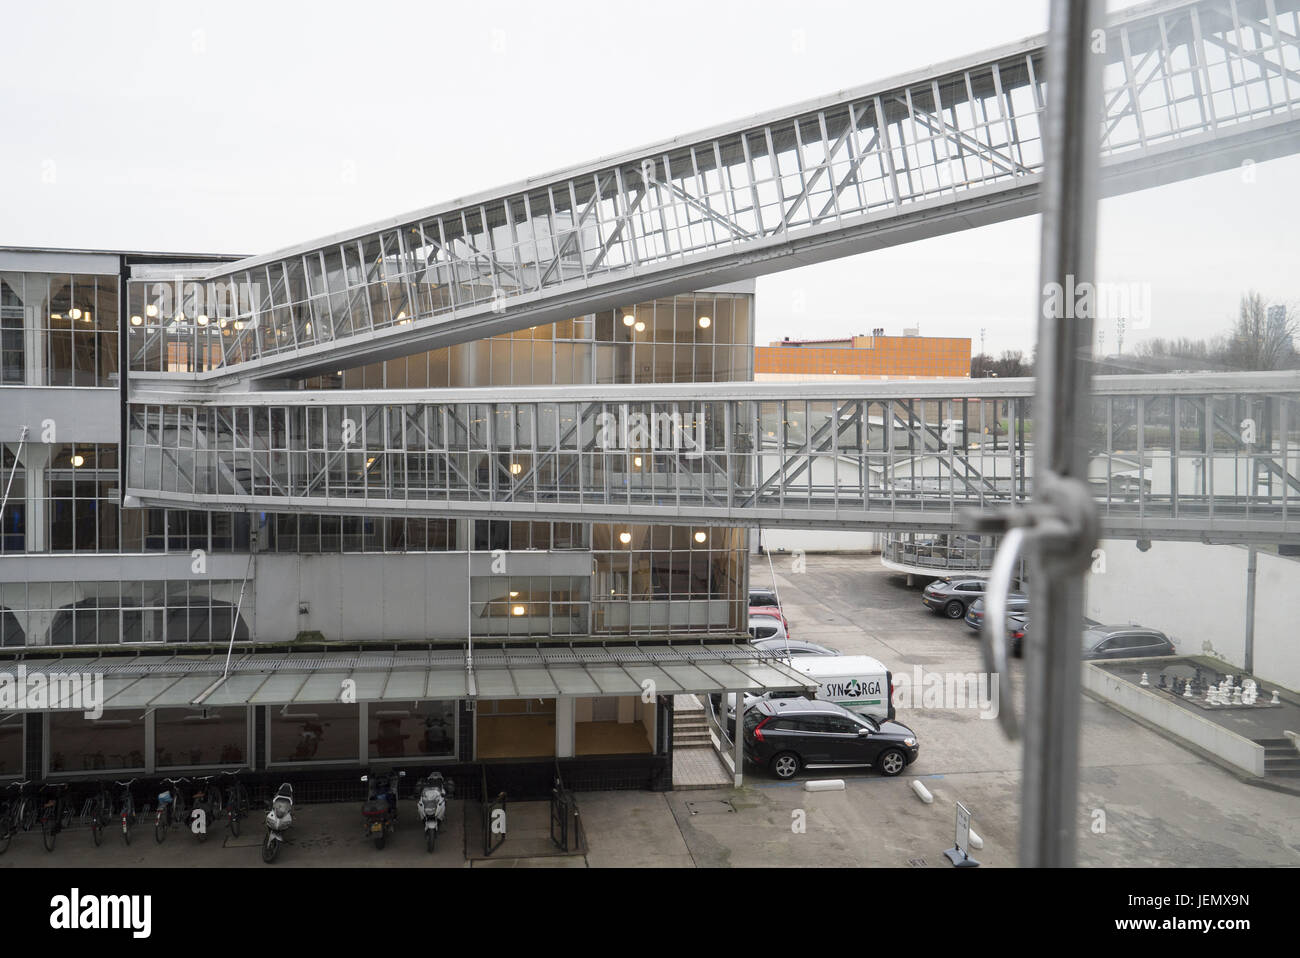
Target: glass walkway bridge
1189, 87
1213, 457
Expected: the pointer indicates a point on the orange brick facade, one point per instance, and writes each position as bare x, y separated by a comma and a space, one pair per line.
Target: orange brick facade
868, 356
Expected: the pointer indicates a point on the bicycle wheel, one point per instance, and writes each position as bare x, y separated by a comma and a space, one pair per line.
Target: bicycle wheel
160, 828
97, 831
49, 832
232, 821
27, 815
126, 829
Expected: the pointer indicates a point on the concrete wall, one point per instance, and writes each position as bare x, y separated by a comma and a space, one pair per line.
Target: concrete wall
1196, 594
1201, 732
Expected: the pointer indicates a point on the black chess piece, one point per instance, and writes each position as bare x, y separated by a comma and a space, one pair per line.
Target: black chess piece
1162, 684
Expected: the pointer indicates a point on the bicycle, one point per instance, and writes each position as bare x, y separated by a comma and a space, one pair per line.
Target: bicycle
171, 807
22, 808
100, 808
10, 815
205, 806
55, 813
236, 804
126, 803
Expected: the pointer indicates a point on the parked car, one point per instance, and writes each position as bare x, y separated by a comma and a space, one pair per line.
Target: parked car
787, 735
1017, 628
766, 627
1124, 642
763, 599
773, 613
792, 647
975, 614
953, 597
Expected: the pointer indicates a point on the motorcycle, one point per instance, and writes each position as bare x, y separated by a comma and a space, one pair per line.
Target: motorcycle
379, 813
278, 821
432, 806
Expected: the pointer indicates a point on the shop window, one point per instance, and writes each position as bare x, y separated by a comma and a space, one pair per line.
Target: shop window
210, 736
313, 733
613, 725
113, 742
426, 730
11, 744
515, 728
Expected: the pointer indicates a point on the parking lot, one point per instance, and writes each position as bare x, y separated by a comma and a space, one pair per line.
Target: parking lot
1144, 800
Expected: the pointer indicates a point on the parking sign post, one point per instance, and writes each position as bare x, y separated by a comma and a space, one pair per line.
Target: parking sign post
958, 853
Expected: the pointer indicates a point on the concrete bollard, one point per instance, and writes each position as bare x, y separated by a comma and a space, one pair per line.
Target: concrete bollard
824, 785
922, 792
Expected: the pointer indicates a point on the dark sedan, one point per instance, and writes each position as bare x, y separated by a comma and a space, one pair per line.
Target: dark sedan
786, 735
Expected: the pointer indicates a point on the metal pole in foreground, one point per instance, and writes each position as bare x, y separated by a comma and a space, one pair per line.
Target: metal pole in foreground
1062, 406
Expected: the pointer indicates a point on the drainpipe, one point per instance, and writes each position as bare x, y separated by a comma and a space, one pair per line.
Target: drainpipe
1251, 564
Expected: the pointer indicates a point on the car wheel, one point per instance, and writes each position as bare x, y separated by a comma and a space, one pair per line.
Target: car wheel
954, 610
891, 761
785, 765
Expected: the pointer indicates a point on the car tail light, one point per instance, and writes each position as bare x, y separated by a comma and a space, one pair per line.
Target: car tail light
1017, 635
758, 729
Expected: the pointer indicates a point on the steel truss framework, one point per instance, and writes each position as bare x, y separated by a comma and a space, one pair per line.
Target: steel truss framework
1189, 87
1206, 456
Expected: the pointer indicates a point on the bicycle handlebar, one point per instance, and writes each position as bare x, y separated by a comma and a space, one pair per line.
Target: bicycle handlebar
18, 784
132, 782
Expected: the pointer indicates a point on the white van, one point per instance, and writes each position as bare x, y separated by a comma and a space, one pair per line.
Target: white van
858, 682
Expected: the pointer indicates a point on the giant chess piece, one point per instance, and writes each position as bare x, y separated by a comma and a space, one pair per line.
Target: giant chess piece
1144, 683
1277, 699
1236, 695
1162, 686
1210, 692
1187, 690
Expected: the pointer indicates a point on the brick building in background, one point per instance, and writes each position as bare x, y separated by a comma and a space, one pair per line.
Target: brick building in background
865, 357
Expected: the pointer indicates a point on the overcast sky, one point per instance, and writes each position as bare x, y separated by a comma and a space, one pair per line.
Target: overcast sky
245, 127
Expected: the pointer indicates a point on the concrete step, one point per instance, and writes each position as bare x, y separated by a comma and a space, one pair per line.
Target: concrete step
687, 742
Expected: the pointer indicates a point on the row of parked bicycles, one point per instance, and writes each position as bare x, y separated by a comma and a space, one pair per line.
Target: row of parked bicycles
199, 804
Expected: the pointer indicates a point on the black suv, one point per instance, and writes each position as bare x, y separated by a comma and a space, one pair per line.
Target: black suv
786, 735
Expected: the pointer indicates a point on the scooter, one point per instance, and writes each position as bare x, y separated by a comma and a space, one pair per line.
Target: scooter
379, 813
432, 806
278, 821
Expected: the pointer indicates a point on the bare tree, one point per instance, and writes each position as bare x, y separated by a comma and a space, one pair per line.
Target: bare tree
1262, 337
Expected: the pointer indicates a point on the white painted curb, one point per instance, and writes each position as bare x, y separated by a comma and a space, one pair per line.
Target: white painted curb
824, 785
922, 792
